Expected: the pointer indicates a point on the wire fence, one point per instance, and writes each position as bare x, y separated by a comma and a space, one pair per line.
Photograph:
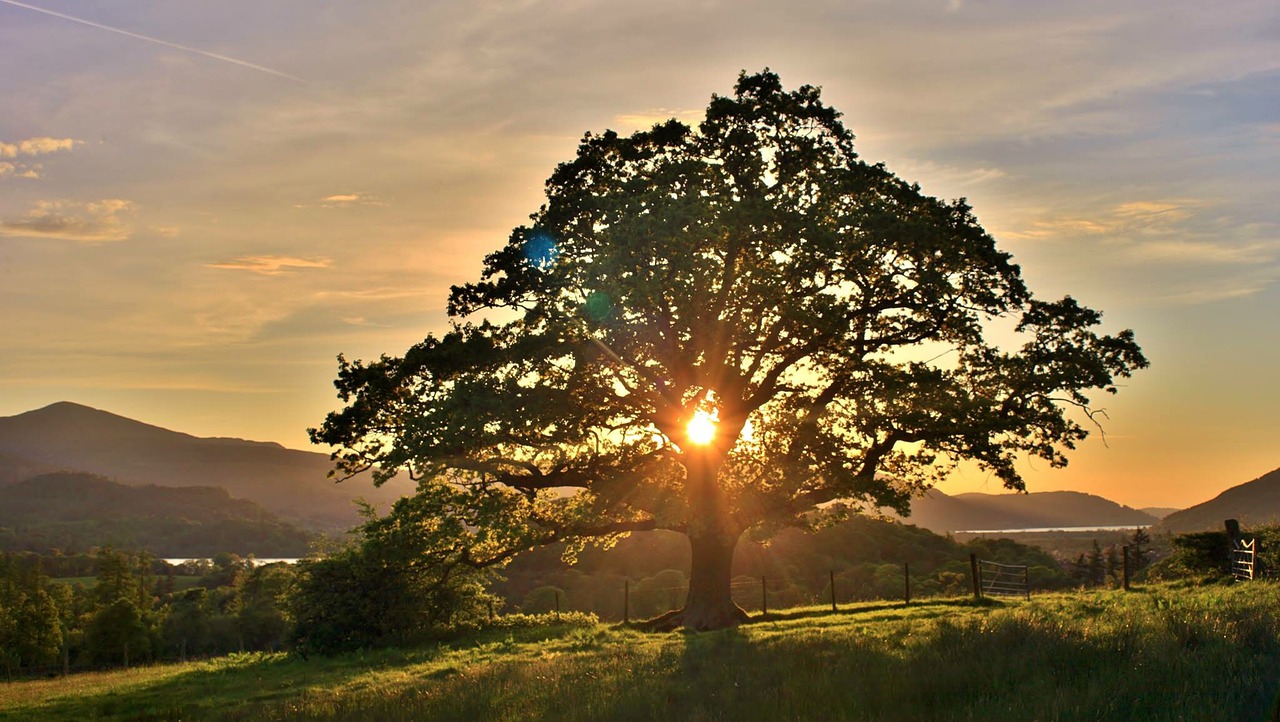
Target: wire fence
642, 600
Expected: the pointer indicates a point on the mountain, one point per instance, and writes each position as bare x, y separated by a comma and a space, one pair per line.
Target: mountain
15, 468
1252, 503
291, 483
941, 513
1159, 512
73, 512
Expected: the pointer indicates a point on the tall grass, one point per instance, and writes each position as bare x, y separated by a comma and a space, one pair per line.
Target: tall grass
1209, 653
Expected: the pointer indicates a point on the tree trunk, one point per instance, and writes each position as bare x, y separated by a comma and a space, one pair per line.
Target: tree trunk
710, 603
713, 536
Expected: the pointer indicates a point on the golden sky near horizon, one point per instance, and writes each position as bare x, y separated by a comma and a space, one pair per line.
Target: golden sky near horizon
203, 203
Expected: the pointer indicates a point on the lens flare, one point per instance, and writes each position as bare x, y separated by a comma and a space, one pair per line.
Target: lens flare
701, 428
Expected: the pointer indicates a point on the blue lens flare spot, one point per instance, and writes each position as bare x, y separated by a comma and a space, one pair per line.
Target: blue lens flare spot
540, 249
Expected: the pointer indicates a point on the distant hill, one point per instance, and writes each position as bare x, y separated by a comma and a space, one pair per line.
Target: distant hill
1159, 512
1252, 503
15, 468
291, 483
941, 513
73, 512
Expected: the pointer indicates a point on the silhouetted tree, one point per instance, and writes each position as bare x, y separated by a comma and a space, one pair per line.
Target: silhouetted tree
1080, 571
1114, 565
751, 275
1139, 555
1097, 566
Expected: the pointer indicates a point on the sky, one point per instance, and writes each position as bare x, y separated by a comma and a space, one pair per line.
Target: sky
203, 202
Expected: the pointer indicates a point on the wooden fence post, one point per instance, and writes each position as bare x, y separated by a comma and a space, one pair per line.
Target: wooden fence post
906, 577
626, 602
1125, 566
973, 573
764, 596
557, 604
833, 589
1026, 580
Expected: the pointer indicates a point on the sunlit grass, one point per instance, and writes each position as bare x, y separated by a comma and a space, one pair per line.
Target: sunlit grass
1209, 653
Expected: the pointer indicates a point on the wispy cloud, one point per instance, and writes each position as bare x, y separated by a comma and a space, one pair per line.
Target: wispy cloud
95, 222
271, 265
1134, 218
158, 41
343, 200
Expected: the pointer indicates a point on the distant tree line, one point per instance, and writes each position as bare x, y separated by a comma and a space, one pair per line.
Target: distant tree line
74, 512
1104, 567
127, 613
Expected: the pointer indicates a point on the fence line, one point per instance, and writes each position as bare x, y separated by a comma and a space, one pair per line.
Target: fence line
988, 578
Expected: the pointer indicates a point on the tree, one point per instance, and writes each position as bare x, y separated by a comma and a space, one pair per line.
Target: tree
1140, 554
386, 590
263, 618
1097, 566
30, 634
122, 625
1114, 565
715, 329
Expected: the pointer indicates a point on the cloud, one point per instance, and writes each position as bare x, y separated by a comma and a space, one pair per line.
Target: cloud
1199, 252
37, 146
943, 179
271, 265
1131, 218
20, 170
344, 200
30, 148
94, 222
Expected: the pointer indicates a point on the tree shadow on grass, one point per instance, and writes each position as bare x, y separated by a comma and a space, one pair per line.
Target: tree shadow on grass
866, 609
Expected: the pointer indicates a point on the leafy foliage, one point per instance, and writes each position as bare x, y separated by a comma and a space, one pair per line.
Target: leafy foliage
1207, 555
390, 589
829, 315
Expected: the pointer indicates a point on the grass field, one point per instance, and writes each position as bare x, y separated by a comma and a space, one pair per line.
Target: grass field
1162, 653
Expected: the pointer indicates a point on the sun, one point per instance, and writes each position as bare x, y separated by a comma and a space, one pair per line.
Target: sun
701, 428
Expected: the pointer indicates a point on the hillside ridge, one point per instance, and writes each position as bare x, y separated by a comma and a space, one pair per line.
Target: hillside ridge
289, 482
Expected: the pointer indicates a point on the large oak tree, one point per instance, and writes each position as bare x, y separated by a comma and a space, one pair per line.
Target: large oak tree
715, 329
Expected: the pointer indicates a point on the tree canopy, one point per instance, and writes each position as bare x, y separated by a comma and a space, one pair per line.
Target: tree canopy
718, 328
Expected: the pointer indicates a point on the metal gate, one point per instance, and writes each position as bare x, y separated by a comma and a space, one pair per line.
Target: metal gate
1243, 557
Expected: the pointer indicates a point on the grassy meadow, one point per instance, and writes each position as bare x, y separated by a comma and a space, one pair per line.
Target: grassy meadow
1160, 653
